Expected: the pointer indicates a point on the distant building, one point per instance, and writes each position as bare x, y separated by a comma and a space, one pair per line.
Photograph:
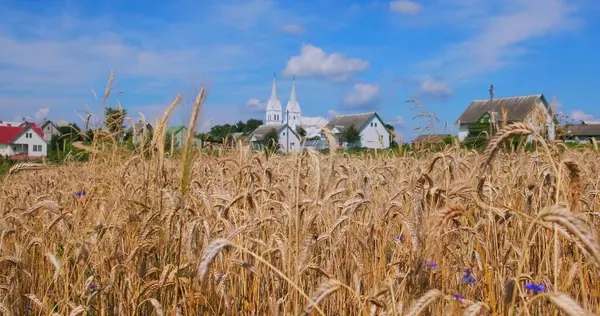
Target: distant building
532, 109
289, 140
373, 133
25, 140
137, 131
49, 129
178, 133
582, 133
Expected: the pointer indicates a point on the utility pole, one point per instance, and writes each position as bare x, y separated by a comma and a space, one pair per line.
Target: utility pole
491, 91
287, 115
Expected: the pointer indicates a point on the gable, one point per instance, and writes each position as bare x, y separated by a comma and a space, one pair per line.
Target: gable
36, 135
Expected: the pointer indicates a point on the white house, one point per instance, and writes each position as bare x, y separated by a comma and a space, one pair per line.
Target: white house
25, 140
532, 109
289, 140
49, 129
9, 123
373, 133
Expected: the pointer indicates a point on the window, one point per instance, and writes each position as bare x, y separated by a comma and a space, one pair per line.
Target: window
283, 133
375, 124
371, 124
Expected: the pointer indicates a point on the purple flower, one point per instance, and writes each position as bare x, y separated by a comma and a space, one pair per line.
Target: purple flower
458, 296
468, 278
79, 193
399, 238
432, 265
535, 288
92, 287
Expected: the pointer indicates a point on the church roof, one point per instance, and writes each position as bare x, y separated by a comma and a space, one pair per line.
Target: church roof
273, 104
317, 121
293, 105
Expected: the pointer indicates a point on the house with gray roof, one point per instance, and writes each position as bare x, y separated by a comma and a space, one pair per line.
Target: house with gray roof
289, 140
582, 133
49, 129
532, 109
372, 130
137, 131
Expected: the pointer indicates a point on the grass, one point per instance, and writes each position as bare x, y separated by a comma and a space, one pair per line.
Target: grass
448, 233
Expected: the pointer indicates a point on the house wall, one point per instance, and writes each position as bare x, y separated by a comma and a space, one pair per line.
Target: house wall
463, 131
27, 144
294, 141
48, 131
374, 134
6, 150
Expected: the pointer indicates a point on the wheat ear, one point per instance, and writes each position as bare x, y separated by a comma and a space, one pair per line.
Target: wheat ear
567, 304
422, 303
505, 133
323, 291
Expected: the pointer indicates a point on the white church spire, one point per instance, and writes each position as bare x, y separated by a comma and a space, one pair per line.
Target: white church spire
293, 108
274, 106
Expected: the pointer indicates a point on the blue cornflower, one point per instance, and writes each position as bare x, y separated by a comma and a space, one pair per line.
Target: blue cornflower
399, 238
458, 296
536, 288
432, 265
79, 193
468, 278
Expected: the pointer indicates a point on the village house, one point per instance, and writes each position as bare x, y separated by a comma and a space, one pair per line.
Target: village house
25, 140
178, 134
49, 129
532, 109
582, 133
137, 131
288, 139
372, 130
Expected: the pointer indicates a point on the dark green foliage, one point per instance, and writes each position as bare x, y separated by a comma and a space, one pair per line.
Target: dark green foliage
351, 135
479, 133
271, 140
301, 131
219, 132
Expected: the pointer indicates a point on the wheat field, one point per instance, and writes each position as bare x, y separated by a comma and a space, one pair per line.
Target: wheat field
449, 233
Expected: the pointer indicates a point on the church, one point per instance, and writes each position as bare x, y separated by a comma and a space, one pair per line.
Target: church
289, 124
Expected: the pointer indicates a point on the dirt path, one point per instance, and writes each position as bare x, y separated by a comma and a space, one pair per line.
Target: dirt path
81, 146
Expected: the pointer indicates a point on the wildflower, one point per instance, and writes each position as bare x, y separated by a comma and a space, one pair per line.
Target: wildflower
92, 287
458, 296
468, 278
79, 193
399, 238
535, 288
432, 265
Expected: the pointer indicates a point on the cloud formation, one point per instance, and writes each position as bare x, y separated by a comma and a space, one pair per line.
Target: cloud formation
363, 96
579, 115
255, 105
405, 7
501, 28
295, 29
314, 62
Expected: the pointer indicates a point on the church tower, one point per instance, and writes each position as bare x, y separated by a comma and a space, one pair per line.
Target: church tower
292, 109
274, 106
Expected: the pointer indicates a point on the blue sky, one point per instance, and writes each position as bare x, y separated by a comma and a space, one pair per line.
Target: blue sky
347, 56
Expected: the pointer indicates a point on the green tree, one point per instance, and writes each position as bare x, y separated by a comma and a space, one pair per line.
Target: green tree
479, 132
271, 140
301, 131
351, 135
114, 118
251, 125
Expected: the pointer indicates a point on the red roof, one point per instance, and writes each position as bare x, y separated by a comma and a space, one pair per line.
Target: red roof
9, 133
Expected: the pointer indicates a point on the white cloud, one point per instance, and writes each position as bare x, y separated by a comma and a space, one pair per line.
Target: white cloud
363, 96
314, 62
435, 88
398, 122
41, 114
500, 30
579, 115
255, 105
296, 29
405, 7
